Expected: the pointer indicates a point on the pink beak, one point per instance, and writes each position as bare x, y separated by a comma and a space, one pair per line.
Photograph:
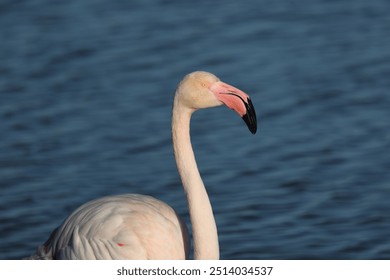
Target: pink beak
238, 101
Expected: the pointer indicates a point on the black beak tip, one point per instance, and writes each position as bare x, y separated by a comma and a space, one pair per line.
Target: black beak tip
252, 124
250, 117
253, 129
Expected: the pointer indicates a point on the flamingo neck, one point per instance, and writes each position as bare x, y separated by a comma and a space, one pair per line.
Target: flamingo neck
204, 229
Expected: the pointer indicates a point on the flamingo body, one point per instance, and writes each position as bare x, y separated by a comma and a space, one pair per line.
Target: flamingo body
128, 226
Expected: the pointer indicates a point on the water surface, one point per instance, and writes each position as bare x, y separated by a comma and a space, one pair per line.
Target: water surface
86, 90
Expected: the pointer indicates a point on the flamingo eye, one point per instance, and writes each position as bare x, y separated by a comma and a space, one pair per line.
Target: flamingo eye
203, 84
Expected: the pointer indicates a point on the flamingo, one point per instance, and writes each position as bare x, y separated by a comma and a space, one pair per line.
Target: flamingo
133, 226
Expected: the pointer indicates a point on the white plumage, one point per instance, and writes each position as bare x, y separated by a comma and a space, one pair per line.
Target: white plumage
100, 229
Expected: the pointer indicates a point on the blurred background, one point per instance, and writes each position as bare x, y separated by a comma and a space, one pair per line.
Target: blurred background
86, 91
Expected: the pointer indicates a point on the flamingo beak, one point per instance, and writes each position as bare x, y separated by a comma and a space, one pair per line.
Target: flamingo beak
238, 101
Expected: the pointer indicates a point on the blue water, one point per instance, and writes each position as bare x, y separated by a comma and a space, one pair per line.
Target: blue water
86, 90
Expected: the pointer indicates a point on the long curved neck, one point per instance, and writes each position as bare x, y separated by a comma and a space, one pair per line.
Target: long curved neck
204, 229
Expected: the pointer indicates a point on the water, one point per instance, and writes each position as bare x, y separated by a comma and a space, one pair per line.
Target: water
86, 92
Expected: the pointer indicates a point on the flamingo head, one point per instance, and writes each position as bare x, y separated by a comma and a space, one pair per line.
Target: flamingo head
200, 90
